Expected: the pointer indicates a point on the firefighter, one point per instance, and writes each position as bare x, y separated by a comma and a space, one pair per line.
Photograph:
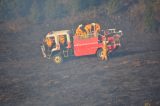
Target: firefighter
111, 42
117, 38
105, 49
48, 41
80, 32
96, 28
48, 44
88, 28
62, 39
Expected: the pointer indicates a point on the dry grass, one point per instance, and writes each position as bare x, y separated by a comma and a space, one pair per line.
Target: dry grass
136, 63
157, 10
136, 15
17, 25
152, 62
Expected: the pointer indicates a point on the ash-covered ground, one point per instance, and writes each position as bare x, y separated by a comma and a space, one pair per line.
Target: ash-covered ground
131, 77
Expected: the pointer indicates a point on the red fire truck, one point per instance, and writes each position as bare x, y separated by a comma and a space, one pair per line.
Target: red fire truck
64, 44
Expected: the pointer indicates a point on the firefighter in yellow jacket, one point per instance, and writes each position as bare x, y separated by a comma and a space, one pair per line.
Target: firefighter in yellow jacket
96, 28
48, 41
80, 32
88, 28
104, 49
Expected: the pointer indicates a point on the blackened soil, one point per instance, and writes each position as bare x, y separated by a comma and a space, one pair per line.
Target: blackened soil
131, 77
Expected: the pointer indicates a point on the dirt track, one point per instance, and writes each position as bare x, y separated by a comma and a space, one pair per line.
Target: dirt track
130, 78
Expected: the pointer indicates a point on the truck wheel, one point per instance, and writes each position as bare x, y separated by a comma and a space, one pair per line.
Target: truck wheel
58, 59
100, 54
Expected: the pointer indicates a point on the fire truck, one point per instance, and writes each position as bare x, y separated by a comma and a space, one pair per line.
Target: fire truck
64, 44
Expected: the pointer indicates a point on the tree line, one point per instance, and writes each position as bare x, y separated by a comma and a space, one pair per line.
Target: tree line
43, 9
40, 10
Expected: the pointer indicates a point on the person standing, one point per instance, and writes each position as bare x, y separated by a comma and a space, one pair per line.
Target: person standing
104, 49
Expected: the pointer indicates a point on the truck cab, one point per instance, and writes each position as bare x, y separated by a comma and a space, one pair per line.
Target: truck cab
55, 43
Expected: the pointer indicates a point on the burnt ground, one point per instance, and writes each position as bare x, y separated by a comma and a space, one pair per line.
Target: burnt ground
131, 77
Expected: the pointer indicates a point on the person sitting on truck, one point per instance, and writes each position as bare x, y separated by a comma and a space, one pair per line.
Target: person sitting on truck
80, 32
96, 28
88, 28
49, 41
49, 44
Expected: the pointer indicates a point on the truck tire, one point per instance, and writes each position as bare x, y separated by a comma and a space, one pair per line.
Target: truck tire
100, 54
58, 59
